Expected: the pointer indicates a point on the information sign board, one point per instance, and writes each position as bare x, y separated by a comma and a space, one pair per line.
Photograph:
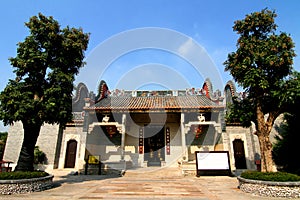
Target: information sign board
94, 160
212, 161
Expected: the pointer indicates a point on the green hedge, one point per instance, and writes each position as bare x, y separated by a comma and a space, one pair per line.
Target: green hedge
22, 175
270, 176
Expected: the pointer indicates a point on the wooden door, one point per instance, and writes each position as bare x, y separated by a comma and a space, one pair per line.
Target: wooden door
71, 154
154, 146
239, 154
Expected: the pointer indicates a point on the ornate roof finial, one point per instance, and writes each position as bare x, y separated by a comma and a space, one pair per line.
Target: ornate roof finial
103, 91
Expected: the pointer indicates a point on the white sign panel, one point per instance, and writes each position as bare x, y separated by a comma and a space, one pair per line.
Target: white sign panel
212, 160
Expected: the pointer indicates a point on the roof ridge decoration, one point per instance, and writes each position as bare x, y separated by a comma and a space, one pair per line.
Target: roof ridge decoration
103, 91
232, 87
78, 100
230, 91
208, 88
81, 87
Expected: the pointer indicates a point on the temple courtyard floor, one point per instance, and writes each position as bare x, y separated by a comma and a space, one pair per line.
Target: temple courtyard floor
146, 183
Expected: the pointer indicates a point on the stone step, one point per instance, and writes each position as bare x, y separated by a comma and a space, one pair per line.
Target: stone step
188, 168
158, 172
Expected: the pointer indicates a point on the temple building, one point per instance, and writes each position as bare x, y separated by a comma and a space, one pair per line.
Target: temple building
137, 129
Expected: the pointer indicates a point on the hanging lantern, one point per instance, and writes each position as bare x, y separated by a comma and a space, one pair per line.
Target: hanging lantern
111, 130
198, 130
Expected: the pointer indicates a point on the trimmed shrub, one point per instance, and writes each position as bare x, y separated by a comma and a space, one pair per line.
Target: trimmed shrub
22, 175
39, 156
270, 176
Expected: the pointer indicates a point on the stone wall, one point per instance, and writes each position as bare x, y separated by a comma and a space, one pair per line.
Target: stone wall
46, 141
73, 133
14, 143
251, 144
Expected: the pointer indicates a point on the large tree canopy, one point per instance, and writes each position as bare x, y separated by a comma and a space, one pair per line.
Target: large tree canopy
45, 67
262, 65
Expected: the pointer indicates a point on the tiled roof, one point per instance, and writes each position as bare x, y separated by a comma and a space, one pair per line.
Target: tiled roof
155, 102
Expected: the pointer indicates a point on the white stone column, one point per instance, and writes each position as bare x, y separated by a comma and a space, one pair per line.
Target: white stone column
218, 132
183, 139
123, 137
226, 141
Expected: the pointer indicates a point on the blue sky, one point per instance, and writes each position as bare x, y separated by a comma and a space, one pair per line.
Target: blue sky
207, 22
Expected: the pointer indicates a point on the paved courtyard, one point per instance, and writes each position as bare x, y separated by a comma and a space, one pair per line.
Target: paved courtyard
152, 183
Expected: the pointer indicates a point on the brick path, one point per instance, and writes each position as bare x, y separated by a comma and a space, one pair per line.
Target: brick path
141, 184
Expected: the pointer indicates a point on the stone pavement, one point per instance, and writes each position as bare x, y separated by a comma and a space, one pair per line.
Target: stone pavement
146, 183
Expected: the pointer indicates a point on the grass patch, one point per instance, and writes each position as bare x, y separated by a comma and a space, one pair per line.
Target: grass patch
270, 176
22, 175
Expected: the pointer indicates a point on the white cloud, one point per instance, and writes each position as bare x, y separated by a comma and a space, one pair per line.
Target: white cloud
187, 47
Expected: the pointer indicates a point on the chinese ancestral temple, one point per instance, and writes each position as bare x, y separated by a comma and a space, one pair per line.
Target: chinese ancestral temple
137, 129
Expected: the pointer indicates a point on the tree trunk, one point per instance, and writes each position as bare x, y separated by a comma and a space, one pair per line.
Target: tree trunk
26, 157
263, 133
267, 164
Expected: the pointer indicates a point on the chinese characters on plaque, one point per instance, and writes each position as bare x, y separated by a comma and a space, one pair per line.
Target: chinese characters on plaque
141, 140
168, 141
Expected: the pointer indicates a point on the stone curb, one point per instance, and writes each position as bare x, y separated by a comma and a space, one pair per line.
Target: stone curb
274, 183
270, 188
26, 185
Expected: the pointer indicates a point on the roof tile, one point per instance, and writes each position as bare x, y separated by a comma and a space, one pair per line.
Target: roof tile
155, 102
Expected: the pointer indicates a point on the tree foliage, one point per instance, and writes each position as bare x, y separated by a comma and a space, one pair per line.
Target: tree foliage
262, 58
286, 144
279, 101
262, 65
45, 66
3, 138
39, 156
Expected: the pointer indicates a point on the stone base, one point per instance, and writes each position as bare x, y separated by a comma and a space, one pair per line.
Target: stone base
107, 168
26, 185
188, 168
144, 164
270, 188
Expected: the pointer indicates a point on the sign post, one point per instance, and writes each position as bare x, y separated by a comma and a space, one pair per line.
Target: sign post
93, 160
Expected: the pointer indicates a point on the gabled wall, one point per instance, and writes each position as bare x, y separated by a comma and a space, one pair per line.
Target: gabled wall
47, 141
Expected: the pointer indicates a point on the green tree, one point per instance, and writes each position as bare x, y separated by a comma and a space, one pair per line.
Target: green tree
3, 138
45, 67
39, 156
262, 65
286, 144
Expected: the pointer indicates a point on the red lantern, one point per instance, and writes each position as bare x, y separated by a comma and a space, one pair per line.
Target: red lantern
111, 130
198, 130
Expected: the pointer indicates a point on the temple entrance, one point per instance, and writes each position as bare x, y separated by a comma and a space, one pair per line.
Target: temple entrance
154, 143
239, 154
71, 154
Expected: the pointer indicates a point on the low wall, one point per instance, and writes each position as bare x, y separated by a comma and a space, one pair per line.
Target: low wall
270, 188
25, 185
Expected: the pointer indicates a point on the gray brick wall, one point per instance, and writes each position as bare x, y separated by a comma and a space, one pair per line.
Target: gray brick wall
46, 141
